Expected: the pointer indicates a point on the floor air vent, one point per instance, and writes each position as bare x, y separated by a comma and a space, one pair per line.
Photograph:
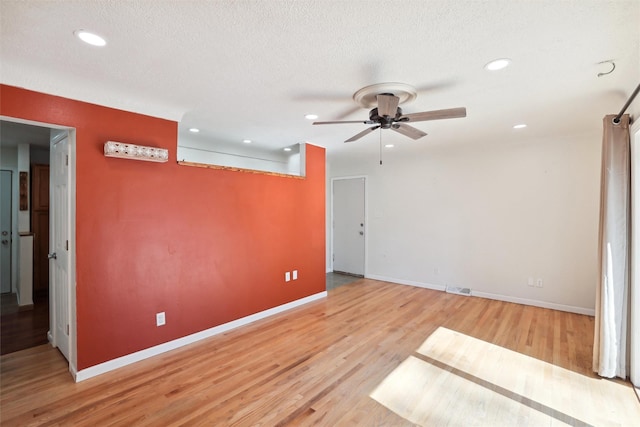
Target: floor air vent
458, 291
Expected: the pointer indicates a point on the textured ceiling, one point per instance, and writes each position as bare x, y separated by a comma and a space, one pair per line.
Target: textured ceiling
252, 69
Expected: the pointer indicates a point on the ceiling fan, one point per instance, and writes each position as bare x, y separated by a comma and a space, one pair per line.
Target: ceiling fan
388, 115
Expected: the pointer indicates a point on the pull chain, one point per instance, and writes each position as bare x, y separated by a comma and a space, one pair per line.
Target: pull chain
380, 146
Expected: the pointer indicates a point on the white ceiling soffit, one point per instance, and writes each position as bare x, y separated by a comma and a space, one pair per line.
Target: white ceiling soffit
249, 69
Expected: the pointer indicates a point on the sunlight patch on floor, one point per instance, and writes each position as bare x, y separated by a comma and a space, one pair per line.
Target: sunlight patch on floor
455, 379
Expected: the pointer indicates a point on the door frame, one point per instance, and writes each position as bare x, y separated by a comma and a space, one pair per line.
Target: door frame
73, 358
366, 216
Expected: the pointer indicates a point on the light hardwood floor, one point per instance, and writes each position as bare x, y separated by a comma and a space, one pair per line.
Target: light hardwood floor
370, 354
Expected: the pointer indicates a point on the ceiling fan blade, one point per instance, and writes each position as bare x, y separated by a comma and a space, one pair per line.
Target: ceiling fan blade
409, 131
361, 134
387, 105
366, 122
450, 113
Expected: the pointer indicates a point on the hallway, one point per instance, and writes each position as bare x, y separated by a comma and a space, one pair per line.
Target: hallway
23, 328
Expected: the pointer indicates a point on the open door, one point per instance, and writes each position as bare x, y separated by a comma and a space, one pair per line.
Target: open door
59, 241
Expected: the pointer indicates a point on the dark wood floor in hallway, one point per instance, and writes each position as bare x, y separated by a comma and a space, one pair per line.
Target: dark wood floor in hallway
23, 328
370, 354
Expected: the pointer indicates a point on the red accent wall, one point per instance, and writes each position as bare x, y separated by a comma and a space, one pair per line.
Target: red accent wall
205, 246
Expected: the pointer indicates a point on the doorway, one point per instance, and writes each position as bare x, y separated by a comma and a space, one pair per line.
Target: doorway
56, 297
348, 225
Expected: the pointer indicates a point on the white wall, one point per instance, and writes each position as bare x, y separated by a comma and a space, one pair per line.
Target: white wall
246, 156
486, 217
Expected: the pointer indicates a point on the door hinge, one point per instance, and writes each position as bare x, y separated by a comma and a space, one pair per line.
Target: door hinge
66, 160
66, 245
67, 329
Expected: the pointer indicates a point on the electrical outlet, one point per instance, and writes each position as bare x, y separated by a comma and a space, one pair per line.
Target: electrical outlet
295, 274
530, 281
539, 283
287, 276
160, 319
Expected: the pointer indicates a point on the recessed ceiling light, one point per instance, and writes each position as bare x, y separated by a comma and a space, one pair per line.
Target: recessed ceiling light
90, 38
389, 146
311, 116
194, 130
287, 149
498, 64
520, 126
247, 141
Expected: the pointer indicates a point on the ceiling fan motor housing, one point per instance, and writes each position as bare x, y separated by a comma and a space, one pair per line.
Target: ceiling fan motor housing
384, 121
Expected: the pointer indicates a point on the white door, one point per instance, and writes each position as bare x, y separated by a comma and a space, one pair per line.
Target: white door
59, 267
348, 226
5, 231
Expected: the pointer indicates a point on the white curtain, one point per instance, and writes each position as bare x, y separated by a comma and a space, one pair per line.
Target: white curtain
610, 346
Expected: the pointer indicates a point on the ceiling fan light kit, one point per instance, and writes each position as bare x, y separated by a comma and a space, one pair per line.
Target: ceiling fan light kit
386, 114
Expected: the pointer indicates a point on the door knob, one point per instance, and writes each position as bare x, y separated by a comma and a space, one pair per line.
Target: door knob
4, 233
362, 233
5, 242
52, 256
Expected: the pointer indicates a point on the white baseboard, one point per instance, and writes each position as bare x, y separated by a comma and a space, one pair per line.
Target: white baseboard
189, 339
536, 303
406, 282
74, 372
498, 297
329, 270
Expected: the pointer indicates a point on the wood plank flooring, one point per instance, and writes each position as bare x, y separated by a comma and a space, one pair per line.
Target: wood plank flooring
351, 359
23, 328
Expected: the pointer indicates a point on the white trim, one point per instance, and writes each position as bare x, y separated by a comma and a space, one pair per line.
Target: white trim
189, 339
498, 297
73, 325
407, 282
329, 270
33, 122
366, 217
536, 303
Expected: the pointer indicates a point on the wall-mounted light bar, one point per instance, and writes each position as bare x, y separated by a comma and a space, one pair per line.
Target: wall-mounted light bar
135, 152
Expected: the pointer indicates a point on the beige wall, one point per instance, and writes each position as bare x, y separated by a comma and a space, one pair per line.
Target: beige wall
487, 217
